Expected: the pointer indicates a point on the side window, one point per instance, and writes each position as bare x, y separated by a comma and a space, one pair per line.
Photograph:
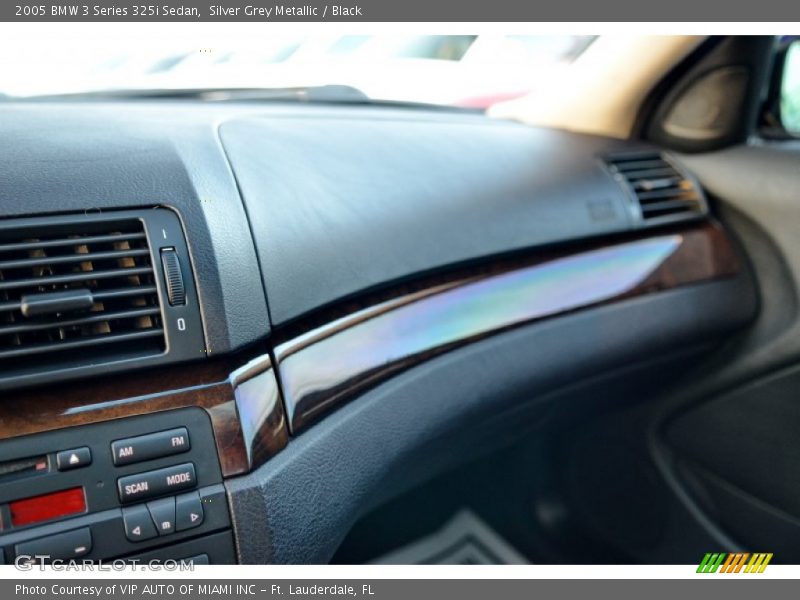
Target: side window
790, 89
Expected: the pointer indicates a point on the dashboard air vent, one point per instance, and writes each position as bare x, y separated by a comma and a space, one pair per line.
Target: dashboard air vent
663, 193
77, 293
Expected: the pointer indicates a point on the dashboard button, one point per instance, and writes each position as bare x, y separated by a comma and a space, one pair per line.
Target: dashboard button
150, 484
150, 446
62, 546
163, 514
188, 511
138, 524
176, 290
200, 559
73, 459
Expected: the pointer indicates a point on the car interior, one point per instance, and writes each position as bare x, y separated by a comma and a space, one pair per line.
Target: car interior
303, 326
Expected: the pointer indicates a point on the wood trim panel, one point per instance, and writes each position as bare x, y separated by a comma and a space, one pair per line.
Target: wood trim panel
210, 385
260, 410
337, 353
348, 350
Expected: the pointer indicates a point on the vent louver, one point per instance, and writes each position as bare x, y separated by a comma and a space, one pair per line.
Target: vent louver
77, 293
663, 193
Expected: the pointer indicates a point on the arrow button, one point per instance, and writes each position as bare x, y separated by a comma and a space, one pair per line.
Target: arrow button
74, 458
188, 511
138, 524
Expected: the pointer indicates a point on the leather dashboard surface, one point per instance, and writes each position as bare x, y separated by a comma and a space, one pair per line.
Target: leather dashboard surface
339, 205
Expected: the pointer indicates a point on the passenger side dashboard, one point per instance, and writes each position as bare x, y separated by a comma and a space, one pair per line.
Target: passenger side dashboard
359, 285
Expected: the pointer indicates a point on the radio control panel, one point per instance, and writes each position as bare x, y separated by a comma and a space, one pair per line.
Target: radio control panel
141, 486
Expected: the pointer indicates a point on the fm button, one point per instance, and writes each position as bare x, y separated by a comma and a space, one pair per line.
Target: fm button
150, 446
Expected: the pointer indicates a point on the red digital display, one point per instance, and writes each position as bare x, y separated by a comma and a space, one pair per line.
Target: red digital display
47, 507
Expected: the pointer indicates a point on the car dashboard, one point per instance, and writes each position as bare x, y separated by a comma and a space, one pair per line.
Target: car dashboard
227, 330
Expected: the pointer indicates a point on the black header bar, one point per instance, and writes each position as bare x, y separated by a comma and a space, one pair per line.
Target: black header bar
464, 11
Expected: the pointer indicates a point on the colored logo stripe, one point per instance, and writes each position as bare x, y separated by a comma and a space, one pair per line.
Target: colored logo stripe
734, 562
758, 563
710, 563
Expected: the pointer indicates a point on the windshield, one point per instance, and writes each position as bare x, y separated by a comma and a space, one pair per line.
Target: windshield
459, 70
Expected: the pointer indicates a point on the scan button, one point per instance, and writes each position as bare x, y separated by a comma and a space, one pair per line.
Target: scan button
151, 484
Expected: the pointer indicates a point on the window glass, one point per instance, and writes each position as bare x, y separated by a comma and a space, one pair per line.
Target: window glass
790, 89
473, 71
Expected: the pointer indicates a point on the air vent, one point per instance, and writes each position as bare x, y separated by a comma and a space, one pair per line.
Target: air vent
663, 193
76, 293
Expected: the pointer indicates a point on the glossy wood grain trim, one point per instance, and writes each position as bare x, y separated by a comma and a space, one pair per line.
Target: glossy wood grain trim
258, 402
332, 362
210, 385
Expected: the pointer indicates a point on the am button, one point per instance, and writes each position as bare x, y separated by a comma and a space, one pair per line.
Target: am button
153, 445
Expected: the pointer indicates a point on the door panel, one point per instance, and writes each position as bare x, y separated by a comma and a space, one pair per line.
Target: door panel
719, 447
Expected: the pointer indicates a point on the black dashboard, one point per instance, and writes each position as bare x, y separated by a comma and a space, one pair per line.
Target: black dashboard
430, 274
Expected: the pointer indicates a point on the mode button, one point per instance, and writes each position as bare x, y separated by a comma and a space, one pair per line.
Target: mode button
150, 484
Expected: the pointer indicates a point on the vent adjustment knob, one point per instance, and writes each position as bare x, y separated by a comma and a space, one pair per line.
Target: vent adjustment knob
176, 291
